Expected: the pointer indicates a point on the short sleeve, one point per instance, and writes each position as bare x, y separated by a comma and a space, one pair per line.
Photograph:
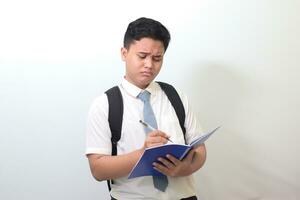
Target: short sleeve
97, 131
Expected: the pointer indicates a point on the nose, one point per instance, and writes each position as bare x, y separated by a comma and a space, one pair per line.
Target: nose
148, 62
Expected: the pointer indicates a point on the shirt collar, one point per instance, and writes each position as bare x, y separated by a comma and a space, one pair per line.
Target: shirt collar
135, 91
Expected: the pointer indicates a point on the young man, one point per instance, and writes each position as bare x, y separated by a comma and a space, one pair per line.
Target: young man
145, 44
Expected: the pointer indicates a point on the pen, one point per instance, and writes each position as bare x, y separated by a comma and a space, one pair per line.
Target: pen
151, 128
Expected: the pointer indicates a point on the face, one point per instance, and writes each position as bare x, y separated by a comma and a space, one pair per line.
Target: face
143, 60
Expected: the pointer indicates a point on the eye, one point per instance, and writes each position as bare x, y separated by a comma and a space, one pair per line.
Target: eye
157, 59
141, 56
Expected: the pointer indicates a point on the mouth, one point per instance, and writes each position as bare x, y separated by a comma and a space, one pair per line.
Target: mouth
147, 74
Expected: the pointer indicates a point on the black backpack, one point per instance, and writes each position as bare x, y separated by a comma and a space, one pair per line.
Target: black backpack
115, 113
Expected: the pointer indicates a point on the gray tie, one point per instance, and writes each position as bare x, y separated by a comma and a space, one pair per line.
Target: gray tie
160, 182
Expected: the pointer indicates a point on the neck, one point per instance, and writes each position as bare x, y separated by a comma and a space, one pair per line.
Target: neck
137, 85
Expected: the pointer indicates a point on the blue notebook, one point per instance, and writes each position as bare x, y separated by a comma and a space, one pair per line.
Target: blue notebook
144, 166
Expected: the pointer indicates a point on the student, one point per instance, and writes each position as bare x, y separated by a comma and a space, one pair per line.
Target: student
145, 43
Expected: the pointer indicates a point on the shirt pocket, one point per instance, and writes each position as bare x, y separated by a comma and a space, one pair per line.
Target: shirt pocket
132, 136
172, 128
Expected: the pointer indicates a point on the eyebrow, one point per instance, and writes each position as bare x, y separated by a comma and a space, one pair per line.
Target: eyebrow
147, 53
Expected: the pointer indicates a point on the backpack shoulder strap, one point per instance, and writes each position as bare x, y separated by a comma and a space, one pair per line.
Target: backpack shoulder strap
115, 118
115, 115
176, 102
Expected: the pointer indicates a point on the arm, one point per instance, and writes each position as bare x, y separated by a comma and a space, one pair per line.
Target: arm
104, 167
176, 168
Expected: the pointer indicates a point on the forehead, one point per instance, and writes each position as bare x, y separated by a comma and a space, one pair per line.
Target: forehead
147, 45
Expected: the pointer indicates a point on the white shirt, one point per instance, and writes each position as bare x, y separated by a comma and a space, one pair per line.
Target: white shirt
98, 137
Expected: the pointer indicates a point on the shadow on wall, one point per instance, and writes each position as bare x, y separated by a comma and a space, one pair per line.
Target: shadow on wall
236, 166
215, 90
220, 90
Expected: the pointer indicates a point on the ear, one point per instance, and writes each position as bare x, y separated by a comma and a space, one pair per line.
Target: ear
123, 53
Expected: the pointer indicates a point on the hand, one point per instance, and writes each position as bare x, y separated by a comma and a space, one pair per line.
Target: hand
173, 167
155, 138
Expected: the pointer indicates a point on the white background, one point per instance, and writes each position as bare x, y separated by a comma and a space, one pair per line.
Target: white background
238, 61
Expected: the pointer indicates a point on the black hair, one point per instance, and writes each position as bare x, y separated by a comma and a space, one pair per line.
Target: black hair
146, 28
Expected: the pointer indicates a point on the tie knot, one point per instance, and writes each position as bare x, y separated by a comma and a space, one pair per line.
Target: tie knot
144, 96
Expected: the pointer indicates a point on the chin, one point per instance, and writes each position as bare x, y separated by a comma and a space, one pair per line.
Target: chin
144, 84
145, 81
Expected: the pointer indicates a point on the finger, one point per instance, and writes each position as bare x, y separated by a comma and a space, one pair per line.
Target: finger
174, 160
153, 133
158, 139
152, 141
163, 134
163, 139
166, 163
157, 133
190, 155
161, 168
155, 144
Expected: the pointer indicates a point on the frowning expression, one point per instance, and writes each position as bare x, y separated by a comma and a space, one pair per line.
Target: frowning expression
143, 60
